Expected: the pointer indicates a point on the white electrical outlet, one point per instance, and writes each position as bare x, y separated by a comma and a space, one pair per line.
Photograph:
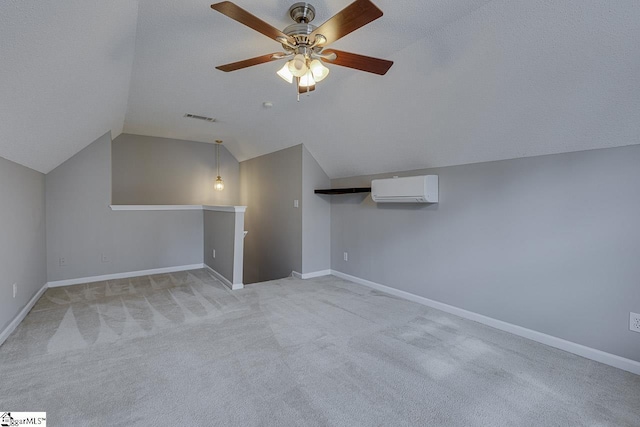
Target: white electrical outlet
295, 204
105, 258
634, 322
214, 253
62, 261
346, 256
15, 289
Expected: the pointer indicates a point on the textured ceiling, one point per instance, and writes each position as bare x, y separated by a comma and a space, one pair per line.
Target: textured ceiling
473, 80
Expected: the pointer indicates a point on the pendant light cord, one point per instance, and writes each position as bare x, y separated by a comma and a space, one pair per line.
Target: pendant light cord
218, 142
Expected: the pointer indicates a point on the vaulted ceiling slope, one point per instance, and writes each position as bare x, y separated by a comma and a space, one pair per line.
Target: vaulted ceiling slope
473, 80
65, 68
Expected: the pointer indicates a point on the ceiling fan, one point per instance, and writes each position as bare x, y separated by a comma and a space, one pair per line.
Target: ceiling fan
305, 43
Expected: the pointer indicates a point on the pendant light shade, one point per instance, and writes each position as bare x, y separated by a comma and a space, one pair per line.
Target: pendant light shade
219, 184
307, 79
298, 65
285, 74
319, 71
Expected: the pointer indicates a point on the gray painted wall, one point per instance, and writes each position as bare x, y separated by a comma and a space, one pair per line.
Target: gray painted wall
269, 185
22, 237
219, 234
81, 226
159, 171
316, 216
549, 243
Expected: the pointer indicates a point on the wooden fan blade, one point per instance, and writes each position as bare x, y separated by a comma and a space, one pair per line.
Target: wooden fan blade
356, 15
250, 62
358, 62
242, 16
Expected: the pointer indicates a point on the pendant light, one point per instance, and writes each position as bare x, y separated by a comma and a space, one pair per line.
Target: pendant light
219, 185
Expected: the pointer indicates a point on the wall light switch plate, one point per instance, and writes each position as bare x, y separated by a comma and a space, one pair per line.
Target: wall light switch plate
62, 261
346, 256
15, 289
296, 204
634, 322
214, 253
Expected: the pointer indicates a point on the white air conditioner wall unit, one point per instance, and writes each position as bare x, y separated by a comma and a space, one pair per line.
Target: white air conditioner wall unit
412, 189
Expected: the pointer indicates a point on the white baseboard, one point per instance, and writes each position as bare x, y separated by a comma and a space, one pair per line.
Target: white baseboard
23, 313
125, 275
224, 280
571, 347
310, 275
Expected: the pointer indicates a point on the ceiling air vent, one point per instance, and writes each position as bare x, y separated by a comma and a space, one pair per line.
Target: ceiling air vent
197, 117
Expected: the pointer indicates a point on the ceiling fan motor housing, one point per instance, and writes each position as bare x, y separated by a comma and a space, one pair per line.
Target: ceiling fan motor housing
300, 32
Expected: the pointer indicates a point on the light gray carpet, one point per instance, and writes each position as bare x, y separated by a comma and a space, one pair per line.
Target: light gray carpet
181, 349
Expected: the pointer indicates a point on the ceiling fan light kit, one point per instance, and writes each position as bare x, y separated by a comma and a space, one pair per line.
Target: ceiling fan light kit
304, 43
